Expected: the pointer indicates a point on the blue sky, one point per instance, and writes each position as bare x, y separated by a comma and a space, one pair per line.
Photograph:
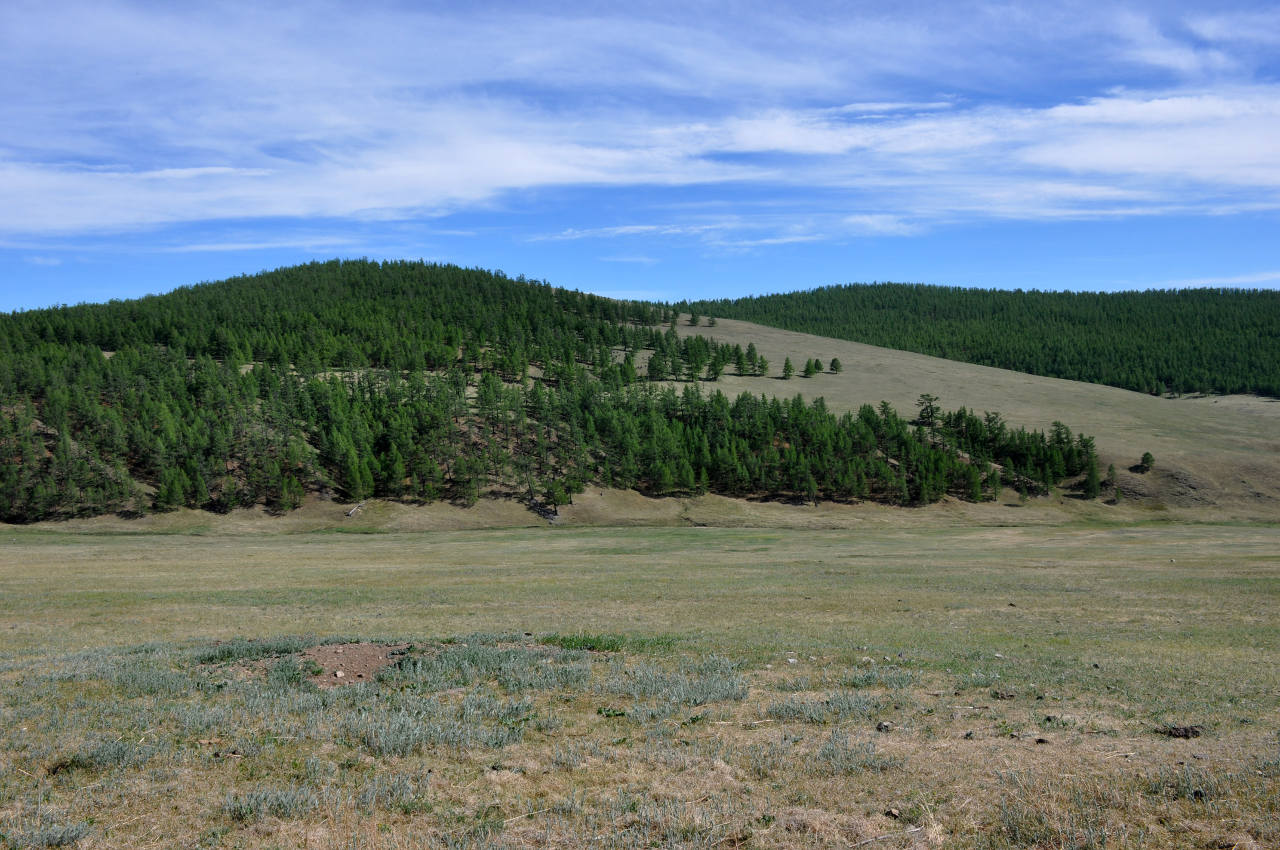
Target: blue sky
641, 150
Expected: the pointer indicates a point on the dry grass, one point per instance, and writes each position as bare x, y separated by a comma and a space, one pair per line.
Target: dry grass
1216, 457
646, 687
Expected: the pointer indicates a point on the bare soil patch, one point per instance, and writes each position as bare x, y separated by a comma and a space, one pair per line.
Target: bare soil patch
333, 665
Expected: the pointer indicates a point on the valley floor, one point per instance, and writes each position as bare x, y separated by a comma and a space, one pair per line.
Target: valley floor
927, 682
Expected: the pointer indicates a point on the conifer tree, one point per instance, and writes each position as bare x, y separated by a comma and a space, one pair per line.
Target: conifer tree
658, 368
1091, 484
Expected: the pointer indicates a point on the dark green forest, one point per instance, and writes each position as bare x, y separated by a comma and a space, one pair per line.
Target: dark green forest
1158, 341
420, 382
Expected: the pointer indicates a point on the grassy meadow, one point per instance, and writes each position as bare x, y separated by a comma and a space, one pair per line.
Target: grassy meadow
923, 686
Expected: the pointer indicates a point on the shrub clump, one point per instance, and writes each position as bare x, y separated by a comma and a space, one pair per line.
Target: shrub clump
241, 649
287, 802
838, 756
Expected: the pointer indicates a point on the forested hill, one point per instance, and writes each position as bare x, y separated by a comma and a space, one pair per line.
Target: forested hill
1158, 341
349, 314
420, 382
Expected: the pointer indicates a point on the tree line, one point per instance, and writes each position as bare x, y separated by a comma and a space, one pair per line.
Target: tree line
1157, 341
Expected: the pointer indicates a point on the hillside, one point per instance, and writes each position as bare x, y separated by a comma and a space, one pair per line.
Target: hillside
1219, 455
421, 383
1158, 341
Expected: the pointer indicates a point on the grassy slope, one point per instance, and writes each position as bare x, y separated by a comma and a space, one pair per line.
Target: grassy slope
1218, 454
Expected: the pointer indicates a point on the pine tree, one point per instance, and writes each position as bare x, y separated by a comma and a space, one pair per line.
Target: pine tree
787, 369
394, 473
658, 368
172, 491
663, 481
291, 493
994, 483
352, 477
1091, 484
928, 409
555, 496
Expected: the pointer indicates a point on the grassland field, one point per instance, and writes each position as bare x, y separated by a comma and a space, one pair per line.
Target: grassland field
925, 687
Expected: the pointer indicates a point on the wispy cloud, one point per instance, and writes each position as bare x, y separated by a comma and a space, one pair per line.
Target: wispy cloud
326, 244
879, 224
1142, 40
1241, 27
574, 233
638, 260
764, 241
128, 116
880, 107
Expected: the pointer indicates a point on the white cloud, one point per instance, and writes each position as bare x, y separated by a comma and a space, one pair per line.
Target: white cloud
1247, 27
879, 224
1223, 139
873, 108
1143, 41
768, 241
318, 243
638, 260
193, 173
623, 230
123, 116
